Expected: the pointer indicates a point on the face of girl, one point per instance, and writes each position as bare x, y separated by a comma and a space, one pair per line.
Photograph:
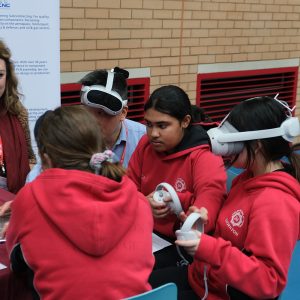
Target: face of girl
241, 159
2, 77
164, 131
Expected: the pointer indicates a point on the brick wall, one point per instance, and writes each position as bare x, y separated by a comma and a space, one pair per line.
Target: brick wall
173, 36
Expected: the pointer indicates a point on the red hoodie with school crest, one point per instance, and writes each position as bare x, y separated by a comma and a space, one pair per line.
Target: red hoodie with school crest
255, 235
83, 235
197, 175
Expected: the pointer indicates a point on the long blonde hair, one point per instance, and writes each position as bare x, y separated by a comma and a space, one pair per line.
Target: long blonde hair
10, 100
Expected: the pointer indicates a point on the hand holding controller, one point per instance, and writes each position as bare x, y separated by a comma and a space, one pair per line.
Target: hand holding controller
165, 191
186, 232
161, 195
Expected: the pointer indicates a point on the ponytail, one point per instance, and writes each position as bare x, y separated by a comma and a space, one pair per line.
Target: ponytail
106, 164
113, 171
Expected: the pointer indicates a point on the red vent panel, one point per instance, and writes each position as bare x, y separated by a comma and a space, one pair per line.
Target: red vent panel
138, 94
217, 93
70, 93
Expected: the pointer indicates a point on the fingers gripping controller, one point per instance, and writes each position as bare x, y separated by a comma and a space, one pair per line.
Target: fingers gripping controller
193, 221
164, 191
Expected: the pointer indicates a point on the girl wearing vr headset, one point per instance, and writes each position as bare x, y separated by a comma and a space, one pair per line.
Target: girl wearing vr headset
178, 153
86, 217
257, 228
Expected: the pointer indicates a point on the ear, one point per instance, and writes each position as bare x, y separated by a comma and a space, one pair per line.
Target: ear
46, 161
186, 121
124, 113
257, 147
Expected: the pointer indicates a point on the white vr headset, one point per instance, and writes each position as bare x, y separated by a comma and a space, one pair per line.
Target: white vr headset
103, 97
226, 140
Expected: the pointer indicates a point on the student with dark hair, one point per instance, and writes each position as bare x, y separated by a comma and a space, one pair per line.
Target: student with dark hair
257, 228
81, 237
178, 153
105, 94
199, 115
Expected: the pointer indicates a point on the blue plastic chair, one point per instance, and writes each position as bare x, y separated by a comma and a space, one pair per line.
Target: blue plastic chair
167, 291
292, 289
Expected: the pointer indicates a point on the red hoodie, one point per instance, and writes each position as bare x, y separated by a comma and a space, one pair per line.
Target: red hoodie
83, 235
197, 175
261, 217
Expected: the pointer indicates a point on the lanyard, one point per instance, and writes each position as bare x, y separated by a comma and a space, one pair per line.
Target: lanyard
124, 150
2, 167
3, 179
1, 153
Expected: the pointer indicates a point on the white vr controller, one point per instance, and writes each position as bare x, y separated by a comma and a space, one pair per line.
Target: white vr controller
187, 231
164, 191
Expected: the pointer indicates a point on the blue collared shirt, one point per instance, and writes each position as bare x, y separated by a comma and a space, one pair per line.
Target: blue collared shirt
34, 172
128, 139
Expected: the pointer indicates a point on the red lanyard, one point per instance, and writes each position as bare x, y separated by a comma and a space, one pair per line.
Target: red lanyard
2, 167
124, 150
1, 153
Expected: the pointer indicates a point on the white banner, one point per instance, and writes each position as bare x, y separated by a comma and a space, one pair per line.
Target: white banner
30, 29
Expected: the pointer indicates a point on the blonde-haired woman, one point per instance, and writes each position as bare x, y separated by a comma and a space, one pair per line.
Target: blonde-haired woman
16, 153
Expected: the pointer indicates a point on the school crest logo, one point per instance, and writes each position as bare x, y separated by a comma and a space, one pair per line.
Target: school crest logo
237, 218
180, 185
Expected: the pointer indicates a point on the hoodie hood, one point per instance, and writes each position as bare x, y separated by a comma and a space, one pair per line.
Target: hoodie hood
278, 180
91, 211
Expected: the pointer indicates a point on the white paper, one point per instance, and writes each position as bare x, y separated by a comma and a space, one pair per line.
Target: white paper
2, 266
158, 243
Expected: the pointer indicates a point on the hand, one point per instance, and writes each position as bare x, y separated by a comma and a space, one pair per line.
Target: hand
5, 208
190, 246
202, 211
4, 230
159, 210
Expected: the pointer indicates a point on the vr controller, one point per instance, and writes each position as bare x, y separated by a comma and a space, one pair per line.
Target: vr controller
194, 220
164, 191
